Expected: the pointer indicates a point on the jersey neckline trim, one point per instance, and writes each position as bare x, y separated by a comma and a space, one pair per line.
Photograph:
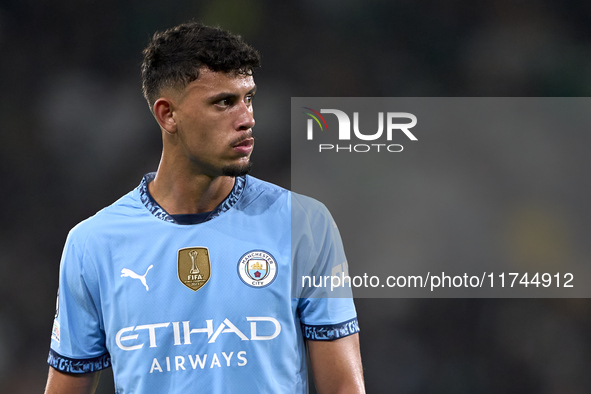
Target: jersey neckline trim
159, 212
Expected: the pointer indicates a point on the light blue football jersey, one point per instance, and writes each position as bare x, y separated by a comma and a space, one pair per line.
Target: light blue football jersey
208, 307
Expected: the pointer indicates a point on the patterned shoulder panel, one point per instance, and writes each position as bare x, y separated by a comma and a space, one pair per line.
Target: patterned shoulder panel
156, 210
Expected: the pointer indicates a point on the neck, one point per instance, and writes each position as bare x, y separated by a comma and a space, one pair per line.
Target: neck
180, 192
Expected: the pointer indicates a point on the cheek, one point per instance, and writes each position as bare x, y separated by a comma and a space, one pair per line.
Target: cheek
206, 132
207, 137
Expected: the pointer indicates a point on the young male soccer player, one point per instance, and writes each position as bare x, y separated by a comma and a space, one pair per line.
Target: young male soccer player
185, 284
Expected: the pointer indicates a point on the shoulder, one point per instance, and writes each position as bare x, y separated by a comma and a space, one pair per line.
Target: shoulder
299, 203
309, 214
253, 184
308, 206
259, 194
128, 206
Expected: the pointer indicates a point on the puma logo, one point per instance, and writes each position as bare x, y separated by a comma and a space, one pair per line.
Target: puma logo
131, 274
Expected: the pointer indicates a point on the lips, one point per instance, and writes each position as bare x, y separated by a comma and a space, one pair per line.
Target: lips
245, 146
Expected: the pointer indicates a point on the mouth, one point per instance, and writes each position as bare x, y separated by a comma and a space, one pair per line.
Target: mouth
244, 146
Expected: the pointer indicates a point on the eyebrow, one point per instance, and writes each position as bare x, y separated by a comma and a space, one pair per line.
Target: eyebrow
226, 95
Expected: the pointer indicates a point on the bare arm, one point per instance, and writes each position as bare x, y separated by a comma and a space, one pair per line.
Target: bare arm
66, 383
337, 366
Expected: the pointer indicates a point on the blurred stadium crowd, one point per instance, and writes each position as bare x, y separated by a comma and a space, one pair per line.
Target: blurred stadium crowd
76, 135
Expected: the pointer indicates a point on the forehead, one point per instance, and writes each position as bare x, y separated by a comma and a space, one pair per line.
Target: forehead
214, 82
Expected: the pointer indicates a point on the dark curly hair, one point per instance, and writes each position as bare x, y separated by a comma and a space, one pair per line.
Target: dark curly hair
174, 56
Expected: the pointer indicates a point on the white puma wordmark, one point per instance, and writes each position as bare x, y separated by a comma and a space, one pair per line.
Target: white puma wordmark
131, 274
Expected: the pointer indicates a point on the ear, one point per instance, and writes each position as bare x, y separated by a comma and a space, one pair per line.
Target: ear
163, 112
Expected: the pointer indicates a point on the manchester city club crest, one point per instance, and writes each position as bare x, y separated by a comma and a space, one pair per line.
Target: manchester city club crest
194, 267
257, 268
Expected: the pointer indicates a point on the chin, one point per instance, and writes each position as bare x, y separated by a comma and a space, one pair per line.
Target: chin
237, 169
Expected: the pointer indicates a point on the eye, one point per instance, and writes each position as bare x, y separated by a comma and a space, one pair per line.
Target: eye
224, 102
248, 99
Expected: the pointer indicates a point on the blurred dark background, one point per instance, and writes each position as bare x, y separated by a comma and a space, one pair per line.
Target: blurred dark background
77, 134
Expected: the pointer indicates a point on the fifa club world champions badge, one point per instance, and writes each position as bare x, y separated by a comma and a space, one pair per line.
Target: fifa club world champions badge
194, 267
257, 268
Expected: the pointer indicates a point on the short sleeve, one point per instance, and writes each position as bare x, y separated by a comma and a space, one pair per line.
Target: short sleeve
78, 336
326, 308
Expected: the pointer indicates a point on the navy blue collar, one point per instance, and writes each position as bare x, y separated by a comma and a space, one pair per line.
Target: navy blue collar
156, 210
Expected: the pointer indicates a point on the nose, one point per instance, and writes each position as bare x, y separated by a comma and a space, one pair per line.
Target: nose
245, 119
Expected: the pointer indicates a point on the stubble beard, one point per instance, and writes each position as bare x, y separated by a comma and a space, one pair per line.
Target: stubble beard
242, 169
235, 170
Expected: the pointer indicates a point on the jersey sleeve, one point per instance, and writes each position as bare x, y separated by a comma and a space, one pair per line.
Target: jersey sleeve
78, 336
319, 266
